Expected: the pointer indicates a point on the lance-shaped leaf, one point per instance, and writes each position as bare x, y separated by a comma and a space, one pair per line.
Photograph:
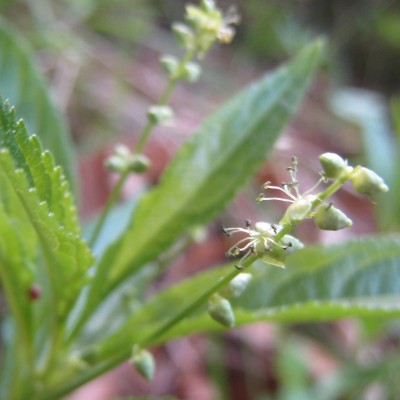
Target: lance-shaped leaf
24, 87
358, 278
210, 168
355, 279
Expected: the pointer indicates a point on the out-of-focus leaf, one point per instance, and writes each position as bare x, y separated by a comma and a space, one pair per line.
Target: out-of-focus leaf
368, 110
359, 278
210, 168
24, 87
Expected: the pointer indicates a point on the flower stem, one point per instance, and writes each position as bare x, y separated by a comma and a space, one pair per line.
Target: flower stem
146, 132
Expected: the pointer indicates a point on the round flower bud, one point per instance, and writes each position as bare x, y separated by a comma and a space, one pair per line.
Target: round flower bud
275, 256
298, 211
116, 163
332, 165
191, 71
220, 310
184, 35
170, 65
160, 114
144, 363
329, 218
292, 244
368, 182
139, 163
208, 5
237, 285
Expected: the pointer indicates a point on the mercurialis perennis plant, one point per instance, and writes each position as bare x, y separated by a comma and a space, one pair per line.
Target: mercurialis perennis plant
77, 299
272, 242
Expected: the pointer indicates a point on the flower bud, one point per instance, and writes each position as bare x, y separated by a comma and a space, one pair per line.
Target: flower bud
191, 72
144, 363
220, 310
367, 182
160, 114
170, 65
119, 160
184, 35
329, 218
292, 244
298, 211
332, 165
139, 163
208, 5
237, 285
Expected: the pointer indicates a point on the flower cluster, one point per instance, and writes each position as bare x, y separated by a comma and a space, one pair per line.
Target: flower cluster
271, 242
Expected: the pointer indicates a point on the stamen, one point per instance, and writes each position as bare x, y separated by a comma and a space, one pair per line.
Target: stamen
320, 180
225, 230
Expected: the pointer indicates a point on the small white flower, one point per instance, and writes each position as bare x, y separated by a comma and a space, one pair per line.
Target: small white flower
258, 241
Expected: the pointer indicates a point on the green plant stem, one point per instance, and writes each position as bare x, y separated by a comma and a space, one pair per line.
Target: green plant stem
155, 337
112, 199
146, 132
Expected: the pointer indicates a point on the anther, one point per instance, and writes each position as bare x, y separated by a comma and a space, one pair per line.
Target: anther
248, 223
225, 231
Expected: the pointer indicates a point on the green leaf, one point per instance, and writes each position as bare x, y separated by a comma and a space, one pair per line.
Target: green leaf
210, 168
355, 279
35, 197
22, 84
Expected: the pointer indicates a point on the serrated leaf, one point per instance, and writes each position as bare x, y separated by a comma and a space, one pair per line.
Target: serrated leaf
210, 168
22, 84
35, 193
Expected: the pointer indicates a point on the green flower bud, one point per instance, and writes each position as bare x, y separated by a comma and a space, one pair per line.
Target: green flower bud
191, 71
139, 163
292, 244
184, 35
332, 165
237, 285
329, 218
220, 310
367, 182
160, 114
119, 160
170, 65
298, 211
275, 256
208, 5
196, 17
144, 363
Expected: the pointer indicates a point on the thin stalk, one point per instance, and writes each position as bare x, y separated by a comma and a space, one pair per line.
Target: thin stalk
144, 136
112, 199
116, 357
